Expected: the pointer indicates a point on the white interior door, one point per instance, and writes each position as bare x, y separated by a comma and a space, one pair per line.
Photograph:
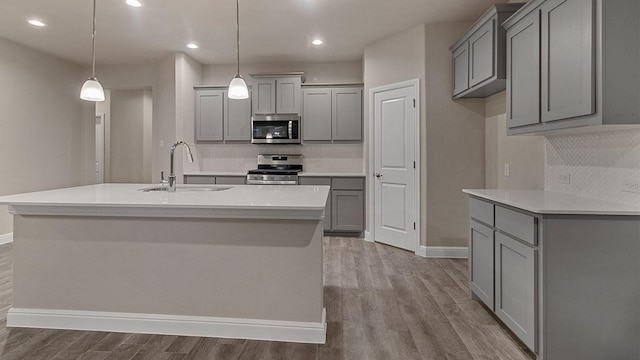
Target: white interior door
99, 148
395, 203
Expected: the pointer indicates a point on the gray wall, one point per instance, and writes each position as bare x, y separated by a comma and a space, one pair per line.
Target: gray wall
129, 158
47, 131
454, 142
397, 58
452, 132
524, 154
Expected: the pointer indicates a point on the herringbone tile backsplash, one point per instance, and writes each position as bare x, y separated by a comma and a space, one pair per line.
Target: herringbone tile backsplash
602, 165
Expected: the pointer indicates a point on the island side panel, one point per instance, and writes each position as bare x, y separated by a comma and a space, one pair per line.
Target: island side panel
591, 287
251, 269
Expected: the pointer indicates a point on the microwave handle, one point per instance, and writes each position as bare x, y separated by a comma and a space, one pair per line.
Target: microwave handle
290, 129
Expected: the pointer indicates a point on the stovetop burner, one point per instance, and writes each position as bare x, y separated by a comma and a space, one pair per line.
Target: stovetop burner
276, 170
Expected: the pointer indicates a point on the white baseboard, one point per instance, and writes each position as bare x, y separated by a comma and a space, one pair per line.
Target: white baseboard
6, 238
367, 236
443, 251
254, 329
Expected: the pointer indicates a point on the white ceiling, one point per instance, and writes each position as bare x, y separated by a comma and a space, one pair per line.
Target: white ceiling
270, 30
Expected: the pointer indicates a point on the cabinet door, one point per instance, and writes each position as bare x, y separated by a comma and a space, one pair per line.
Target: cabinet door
481, 249
346, 116
237, 119
515, 286
316, 116
327, 209
481, 53
347, 210
567, 59
209, 115
523, 72
288, 95
199, 179
264, 96
461, 69
231, 180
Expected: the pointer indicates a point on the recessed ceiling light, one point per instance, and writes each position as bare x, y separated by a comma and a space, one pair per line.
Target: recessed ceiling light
134, 3
192, 46
317, 42
36, 22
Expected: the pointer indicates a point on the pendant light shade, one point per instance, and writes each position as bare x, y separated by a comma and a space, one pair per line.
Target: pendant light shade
92, 89
237, 87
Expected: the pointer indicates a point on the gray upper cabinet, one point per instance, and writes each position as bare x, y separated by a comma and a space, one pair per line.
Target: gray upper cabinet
587, 73
264, 96
479, 56
523, 64
277, 93
237, 119
332, 113
567, 59
218, 118
461, 68
316, 114
209, 114
288, 95
346, 111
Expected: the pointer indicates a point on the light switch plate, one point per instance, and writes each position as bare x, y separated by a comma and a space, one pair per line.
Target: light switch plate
564, 178
506, 169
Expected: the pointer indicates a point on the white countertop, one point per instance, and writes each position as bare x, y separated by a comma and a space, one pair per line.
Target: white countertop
239, 201
547, 202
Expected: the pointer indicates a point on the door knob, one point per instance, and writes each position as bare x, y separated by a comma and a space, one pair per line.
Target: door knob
378, 175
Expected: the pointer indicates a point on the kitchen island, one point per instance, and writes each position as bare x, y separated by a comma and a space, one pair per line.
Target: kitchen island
221, 261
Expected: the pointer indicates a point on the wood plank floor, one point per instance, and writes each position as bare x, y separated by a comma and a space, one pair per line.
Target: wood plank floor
382, 303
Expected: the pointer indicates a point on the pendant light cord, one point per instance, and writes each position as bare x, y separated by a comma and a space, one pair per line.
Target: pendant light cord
93, 36
237, 35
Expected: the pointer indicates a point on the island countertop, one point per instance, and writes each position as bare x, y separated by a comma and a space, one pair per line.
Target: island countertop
547, 202
128, 200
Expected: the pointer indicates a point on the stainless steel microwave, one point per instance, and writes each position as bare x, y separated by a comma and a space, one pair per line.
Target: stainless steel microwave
276, 129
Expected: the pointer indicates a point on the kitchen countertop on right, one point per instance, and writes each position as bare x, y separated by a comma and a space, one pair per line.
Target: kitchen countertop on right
548, 202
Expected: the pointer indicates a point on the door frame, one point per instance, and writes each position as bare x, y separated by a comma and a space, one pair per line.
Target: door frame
100, 133
415, 83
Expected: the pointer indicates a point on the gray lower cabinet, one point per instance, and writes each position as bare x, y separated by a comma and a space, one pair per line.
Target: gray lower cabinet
231, 180
481, 278
332, 113
569, 65
567, 285
211, 179
199, 179
218, 118
515, 287
327, 210
346, 210
345, 206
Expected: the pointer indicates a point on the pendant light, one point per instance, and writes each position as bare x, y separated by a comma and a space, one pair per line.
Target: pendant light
237, 87
92, 89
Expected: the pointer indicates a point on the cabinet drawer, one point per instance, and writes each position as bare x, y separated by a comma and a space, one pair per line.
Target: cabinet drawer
517, 224
315, 181
196, 179
345, 183
230, 180
481, 211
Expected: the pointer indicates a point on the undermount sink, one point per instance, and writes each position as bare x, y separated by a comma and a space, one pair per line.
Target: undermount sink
187, 189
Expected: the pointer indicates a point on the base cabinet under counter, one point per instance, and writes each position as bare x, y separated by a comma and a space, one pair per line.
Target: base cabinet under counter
345, 210
566, 284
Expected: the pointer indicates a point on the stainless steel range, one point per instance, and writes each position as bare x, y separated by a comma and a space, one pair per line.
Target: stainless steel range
276, 170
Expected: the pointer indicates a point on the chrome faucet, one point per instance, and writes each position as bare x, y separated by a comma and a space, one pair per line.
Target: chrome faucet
172, 175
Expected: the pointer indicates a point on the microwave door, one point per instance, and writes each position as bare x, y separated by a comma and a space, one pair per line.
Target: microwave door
271, 130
